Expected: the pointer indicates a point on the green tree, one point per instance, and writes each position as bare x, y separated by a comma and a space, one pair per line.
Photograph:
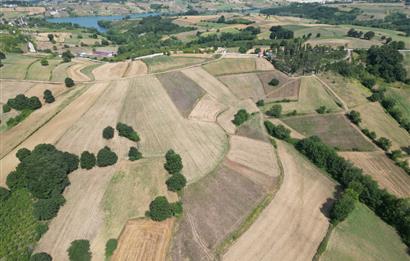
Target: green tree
48, 96
354, 117
67, 55
106, 157
173, 162
176, 182
260, 103
275, 111
87, 160
274, 82
6, 108
110, 247
42, 256
277, 131
127, 131
22, 153
383, 143
343, 206
176, 208
46, 209
79, 250
44, 62
50, 37
4, 194
134, 154
160, 209
108, 132
240, 117
321, 109
369, 35
69, 82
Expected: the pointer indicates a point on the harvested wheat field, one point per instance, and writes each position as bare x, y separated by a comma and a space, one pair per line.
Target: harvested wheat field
383, 170
263, 65
289, 90
231, 66
292, 226
244, 86
110, 71
149, 109
136, 68
144, 240
10, 88
266, 77
183, 91
194, 19
39, 88
165, 63
207, 109
212, 207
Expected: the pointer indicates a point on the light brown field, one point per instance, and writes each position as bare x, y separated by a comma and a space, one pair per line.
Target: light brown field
144, 240
39, 88
59, 37
207, 109
383, 170
263, 65
21, 9
10, 88
60, 72
74, 71
136, 68
290, 90
194, 19
110, 71
226, 117
231, 66
149, 109
254, 128
266, 77
244, 86
292, 226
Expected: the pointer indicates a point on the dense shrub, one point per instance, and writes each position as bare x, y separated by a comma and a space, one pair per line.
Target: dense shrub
354, 116
11, 122
160, 209
134, 154
21, 102
274, 82
369, 82
46, 209
6, 108
87, 160
386, 62
240, 117
176, 182
69, 82
110, 247
48, 96
108, 132
277, 131
41, 257
22, 153
44, 62
67, 55
173, 162
79, 250
4, 194
106, 157
41, 229
127, 131
260, 103
321, 109
383, 143
343, 206
176, 208
275, 111
370, 134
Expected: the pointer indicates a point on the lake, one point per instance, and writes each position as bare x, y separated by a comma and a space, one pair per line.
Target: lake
91, 21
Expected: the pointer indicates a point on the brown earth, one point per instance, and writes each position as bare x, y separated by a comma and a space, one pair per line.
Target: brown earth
289, 90
9, 88
110, 71
263, 65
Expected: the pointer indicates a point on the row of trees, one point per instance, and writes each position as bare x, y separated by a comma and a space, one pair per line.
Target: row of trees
22, 102
358, 34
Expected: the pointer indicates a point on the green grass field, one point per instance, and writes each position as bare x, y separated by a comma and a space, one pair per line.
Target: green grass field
36, 71
60, 72
364, 236
164, 63
402, 98
15, 66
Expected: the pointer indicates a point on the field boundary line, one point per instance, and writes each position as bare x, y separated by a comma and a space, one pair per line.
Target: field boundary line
323, 245
28, 68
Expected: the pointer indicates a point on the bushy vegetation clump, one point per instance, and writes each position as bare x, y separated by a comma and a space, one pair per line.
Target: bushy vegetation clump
22, 153
354, 116
160, 209
173, 162
44, 62
274, 82
240, 117
4, 194
6, 108
278, 32
48, 96
176, 182
108, 132
127, 131
13, 121
42, 256
134, 154
106, 157
69, 82
275, 111
260, 103
277, 131
110, 247
21, 102
87, 160
344, 206
79, 250
67, 56
46, 209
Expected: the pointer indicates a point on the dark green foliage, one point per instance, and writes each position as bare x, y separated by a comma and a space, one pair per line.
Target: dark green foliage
275, 111
106, 157
176, 208
376, 96
127, 131
69, 82
386, 62
176, 182
369, 35
277, 131
260, 103
11, 122
383, 143
87, 160
4, 194
67, 55
274, 82
371, 134
108, 132
321, 110
240, 117
22, 153
394, 211
343, 206
353, 33
41, 229
110, 247
160, 209
6, 108
369, 82
278, 32
21, 102
79, 250
44, 62
41, 257
48, 96
173, 162
134, 154
46, 209
43, 172
354, 116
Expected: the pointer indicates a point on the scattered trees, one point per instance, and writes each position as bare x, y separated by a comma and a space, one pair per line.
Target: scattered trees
21, 102
383, 143
134, 154
275, 111
69, 82
106, 157
79, 250
48, 96
127, 131
108, 132
240, 117
87, 160
278, 32
369, 35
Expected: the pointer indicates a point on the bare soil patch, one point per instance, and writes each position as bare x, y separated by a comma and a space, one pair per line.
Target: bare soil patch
263, 65
383, 170
183, 91
9, 89
244, 86
110, 71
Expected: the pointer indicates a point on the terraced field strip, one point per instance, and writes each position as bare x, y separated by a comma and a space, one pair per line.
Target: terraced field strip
289, 90
36, 71
231, 66
383, 170
110, 71
292, 226
144, 240
165, 63
16, 66
60, 72
74, 71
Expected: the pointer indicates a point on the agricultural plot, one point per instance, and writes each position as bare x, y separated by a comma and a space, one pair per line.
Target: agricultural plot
231, 66
39, 88
333, 129
364, 236
289, 90
183, 91
75, 70
110, 71
207, 109
253, 128
10, 88
226, 117
36, 71
149, 109
383, 170
292, 226
266, 77
244, 86
16, 66
136, 68
88, 71
293, 133
402, 98
375, 119
201, 231
165, 63
60, 72
312, 95
144, 240
350, 90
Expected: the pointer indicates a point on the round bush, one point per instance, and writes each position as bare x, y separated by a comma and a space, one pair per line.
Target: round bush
134, 154
87, 160
41, 257
69, 82
23, 153
176, 182
160, 209
110, 247
106, 157
274, 82
79, 250
108, 132
6, 108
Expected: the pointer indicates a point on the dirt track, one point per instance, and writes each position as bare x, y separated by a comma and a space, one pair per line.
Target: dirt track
74, 71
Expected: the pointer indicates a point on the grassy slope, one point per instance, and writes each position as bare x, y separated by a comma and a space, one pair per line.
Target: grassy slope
407, 62
364, 236
231, 66
402, 97
42, 73
163, 63
15, 66
89, 70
